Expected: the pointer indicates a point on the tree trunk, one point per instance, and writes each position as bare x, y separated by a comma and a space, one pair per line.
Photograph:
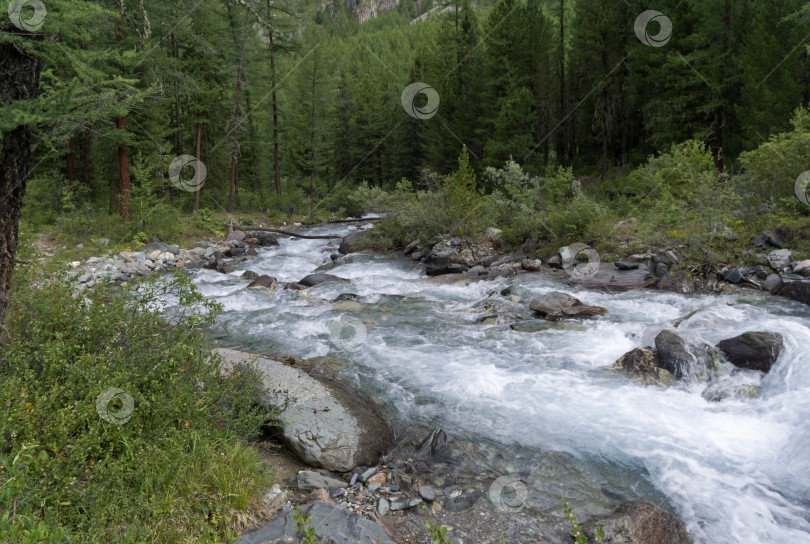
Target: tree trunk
86, 158
177, 112
561, 135
312, 141
123, 169
719, 114
19, 80
235, 150
197, 178
69, 166
276, 165
253, 150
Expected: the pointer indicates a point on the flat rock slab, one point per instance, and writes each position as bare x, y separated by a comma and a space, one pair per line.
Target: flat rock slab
610, 279
325, 423
317, 279
332, 524
555, 306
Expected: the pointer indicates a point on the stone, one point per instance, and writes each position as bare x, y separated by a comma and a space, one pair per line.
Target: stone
772, 283
555, 306
555, 262
309, 480
624, 265
404, 504
537, 325
251, 241
492, 232
93, 260
368, 473
639, 522
249, 275
674, 355
378, 479
383, 507
753, 350
237, 235
317, 279
79, 246
444, 259
413, 246
661, 269
779, 259
263, 238
531, 265
679, 282
671, 257
801, 266
75, 264
155, 255
417, 255
262, 282
732, 275
354, 241
323, 422
643, 364
332, 524
157, 246
427, 493
773, 238
796, 288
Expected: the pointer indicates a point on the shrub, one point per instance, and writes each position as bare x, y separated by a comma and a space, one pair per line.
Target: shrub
175, 469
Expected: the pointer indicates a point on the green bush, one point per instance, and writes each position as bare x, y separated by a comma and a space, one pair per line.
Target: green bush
166, 463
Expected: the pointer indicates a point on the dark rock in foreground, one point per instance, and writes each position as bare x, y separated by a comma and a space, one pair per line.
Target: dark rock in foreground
753, 350
325, 423
263, 281
643, 364
317, 279
555, 306
675, 356
640, 522
795, 288
332, 524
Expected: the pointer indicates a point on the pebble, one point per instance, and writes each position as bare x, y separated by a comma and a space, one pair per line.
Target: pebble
374, 487
404, 504
427, 493
368, 474
383, 507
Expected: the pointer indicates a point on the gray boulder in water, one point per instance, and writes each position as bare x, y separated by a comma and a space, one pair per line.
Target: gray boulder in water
640, 522
317, 279
555, 306
753, 350
325, 423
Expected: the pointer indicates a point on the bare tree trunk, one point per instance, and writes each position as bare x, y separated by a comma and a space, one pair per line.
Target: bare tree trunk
235, 150
197, 179
69, 166
253, 150
123, 169
312, 141
561, 136
276, 164
177, 112
19, 80
86, 158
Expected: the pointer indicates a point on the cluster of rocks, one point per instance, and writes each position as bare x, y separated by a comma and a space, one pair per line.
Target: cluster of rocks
673, 358
453, 255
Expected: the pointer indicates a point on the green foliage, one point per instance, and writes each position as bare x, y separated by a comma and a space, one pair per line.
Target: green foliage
576, 529
438, 533
181, 457
205, 222
303, 525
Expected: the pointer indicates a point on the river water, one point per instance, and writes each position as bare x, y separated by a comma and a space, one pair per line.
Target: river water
735, 471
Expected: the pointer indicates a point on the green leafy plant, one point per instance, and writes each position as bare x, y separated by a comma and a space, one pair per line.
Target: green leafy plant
303, 523
438, 533
576, 529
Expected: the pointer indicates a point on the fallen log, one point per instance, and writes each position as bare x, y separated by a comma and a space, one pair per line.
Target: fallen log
287, 232
355, 220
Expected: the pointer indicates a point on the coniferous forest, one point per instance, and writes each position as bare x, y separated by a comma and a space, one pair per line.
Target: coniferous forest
677, 129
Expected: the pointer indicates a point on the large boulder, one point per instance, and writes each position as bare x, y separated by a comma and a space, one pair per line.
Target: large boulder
263, 282
332, 525
796, 288
753, 350
325, 423
444, 259
680, 282
317, 279
263, 238
555, 306
354, 241
779, 259
682, 359
643, 364
640, 522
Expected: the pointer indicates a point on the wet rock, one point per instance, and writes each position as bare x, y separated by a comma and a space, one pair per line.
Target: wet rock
444, 259
674, 355
332, 524
262, 238
679, 282
773, 238
317, 279
643, 364
434, 443
773, 283
237, 235
624, 265
753, 350
732, 275
555, 262
427, 493
661, 270
537, 325
325, 423
309, 480
417, 255
354, 241
368, 474
347, 306
410, 248
222, 269
721, 392
531, 265
249, 275
263, 282
639, 522
251, 241
555, 306
795, 287
779, 259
